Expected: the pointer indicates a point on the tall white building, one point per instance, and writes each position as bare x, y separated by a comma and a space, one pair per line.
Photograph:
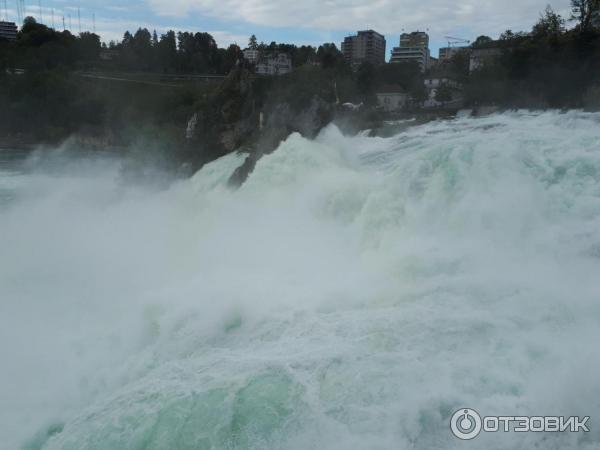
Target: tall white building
414, 47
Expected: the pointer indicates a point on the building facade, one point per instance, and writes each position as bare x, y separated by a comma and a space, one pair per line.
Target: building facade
8, 31
251, 55
414, 39
453, 88
392, 98
414, 47
446, 53
279, 64
366, 46
481, 57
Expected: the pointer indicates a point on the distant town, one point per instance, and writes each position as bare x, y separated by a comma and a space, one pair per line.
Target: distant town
369, 47
366, 47
60, 83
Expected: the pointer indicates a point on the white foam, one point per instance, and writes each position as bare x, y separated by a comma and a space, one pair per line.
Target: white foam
362, 288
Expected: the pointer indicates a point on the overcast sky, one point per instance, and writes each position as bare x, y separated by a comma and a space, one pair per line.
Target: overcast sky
294, 21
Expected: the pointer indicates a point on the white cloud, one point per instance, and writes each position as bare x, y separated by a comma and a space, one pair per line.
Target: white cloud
387, 16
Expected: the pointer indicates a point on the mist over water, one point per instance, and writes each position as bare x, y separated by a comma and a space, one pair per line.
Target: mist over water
352, 294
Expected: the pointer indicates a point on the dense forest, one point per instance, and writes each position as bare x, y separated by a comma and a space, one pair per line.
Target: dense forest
46, 97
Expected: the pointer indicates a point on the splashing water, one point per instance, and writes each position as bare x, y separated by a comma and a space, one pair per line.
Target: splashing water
353, 294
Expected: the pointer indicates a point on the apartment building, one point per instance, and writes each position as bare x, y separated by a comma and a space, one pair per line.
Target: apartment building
366, 46
414, 47
8, 31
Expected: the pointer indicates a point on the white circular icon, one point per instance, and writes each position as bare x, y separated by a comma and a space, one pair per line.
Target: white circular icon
465, 424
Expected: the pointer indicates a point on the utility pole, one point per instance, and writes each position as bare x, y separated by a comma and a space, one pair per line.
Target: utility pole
94, 21
70, 24
64, 28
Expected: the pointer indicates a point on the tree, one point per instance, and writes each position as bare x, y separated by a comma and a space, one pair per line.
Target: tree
232, 55
507, 35
197, 52
89, 46
127, 39
459, 64
329, 56
405, 75
550, 24
365, 78
482, 41
586, 12
253, 43
443, 94
167, 52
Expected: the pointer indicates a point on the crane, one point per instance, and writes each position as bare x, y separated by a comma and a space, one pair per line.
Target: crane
453, 41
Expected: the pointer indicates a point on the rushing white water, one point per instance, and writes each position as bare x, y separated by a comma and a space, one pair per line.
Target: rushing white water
352, 294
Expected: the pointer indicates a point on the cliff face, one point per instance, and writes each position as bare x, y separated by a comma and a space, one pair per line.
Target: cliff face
240, 117
280, 121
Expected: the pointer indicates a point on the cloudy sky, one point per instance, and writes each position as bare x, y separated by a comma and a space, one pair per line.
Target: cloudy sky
300, 22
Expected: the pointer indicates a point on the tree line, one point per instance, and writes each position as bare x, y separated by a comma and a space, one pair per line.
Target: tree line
551, 65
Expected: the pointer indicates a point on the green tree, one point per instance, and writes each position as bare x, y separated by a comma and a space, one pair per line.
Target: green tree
142, 48
443, 93
329, 56
89, 47
459, 64
365, 78
167, 52
253, 43
550, 24
482, 41
586, 13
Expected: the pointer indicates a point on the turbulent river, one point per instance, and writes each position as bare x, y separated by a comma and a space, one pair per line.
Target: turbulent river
352, 294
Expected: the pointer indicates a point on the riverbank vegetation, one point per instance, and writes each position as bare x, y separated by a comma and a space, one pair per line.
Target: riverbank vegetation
143, 90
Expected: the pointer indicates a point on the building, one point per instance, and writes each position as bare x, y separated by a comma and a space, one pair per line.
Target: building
480, 57
366, 46
392, 98
414, 47
446, 53
8, 31
414, 39
454, 91
432, 83
274, 65
251, 55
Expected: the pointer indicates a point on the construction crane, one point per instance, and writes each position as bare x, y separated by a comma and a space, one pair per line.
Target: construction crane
453, 41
